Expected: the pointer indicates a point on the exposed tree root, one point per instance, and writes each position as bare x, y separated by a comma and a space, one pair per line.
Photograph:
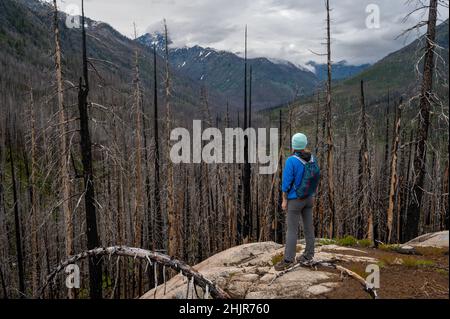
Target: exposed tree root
151, 257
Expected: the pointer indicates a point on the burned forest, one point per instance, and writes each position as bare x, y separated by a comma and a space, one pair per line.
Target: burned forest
87, 176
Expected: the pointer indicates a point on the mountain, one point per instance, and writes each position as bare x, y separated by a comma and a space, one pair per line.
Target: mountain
341, 70
274, 82
397, 71
394, 75
26, 48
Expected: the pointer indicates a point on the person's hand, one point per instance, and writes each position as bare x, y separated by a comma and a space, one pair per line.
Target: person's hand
284, 205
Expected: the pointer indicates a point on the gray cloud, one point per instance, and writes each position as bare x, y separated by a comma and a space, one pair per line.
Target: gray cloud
283, 29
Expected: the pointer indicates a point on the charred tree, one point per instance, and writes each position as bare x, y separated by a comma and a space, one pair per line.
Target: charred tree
246, 231
329, 132
413, 217
64, 160
393, 185
364, 178
139, 201
139, 197
95, 265
157, 223
17, 222
279, 212
34, 199
173, 222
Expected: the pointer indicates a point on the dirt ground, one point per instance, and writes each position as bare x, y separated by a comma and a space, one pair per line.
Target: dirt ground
423, 276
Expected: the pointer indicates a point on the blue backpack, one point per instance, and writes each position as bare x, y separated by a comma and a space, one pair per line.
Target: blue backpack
310, 179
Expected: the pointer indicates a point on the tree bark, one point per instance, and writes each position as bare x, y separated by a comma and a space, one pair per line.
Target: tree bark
64, 171
17, 223
413, 217
34, 199
95, 267
330, 146
364, 204
393, 178
157, 223
246, 231
172, 218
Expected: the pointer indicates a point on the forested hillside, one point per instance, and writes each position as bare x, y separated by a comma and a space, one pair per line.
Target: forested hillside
342, 70
400, 71
275, 82
26, 50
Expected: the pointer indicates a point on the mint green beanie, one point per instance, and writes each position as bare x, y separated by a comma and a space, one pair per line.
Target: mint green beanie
299, 141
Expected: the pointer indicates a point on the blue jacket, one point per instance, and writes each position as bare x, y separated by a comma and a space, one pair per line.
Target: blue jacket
292, 175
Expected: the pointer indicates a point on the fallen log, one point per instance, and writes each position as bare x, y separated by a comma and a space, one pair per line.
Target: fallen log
150, 257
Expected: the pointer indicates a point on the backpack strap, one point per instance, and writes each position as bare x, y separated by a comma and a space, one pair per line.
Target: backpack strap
303, 161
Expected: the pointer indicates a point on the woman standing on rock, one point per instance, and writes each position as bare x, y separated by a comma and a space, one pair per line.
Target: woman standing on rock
300, 180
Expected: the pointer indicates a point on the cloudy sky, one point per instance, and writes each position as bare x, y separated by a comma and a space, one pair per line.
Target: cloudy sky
283, 29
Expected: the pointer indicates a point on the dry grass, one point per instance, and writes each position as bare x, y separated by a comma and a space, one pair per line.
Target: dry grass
432, 251
277, 258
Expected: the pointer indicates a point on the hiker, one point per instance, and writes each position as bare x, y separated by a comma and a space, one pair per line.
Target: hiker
300, 180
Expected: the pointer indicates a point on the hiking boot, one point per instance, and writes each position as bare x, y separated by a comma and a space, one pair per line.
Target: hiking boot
304, 260
283, 265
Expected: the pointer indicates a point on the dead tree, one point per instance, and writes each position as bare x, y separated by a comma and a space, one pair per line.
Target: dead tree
139, 198
17, 222
329, 132
157, 223
139, 202
316, 144
364, 178
34, 199
3, 217
173, 222
148, 256
384, 173
278, 220
413, 217
64, 160
95, 267
246, 231
2, 280
393, 175
445, 190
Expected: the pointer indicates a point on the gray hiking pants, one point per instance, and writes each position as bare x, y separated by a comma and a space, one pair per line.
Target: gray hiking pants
299, 209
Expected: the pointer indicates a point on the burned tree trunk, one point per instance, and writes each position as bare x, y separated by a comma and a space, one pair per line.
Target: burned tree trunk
17, 222
139, 202
157, 223
364, 181
3, 217
246, 231
2, 280
279, 214
383, 192
316, 144
34, 199
64, 171
173, 222
329, 137
139, 198
95, 267
413, 217
393, 178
